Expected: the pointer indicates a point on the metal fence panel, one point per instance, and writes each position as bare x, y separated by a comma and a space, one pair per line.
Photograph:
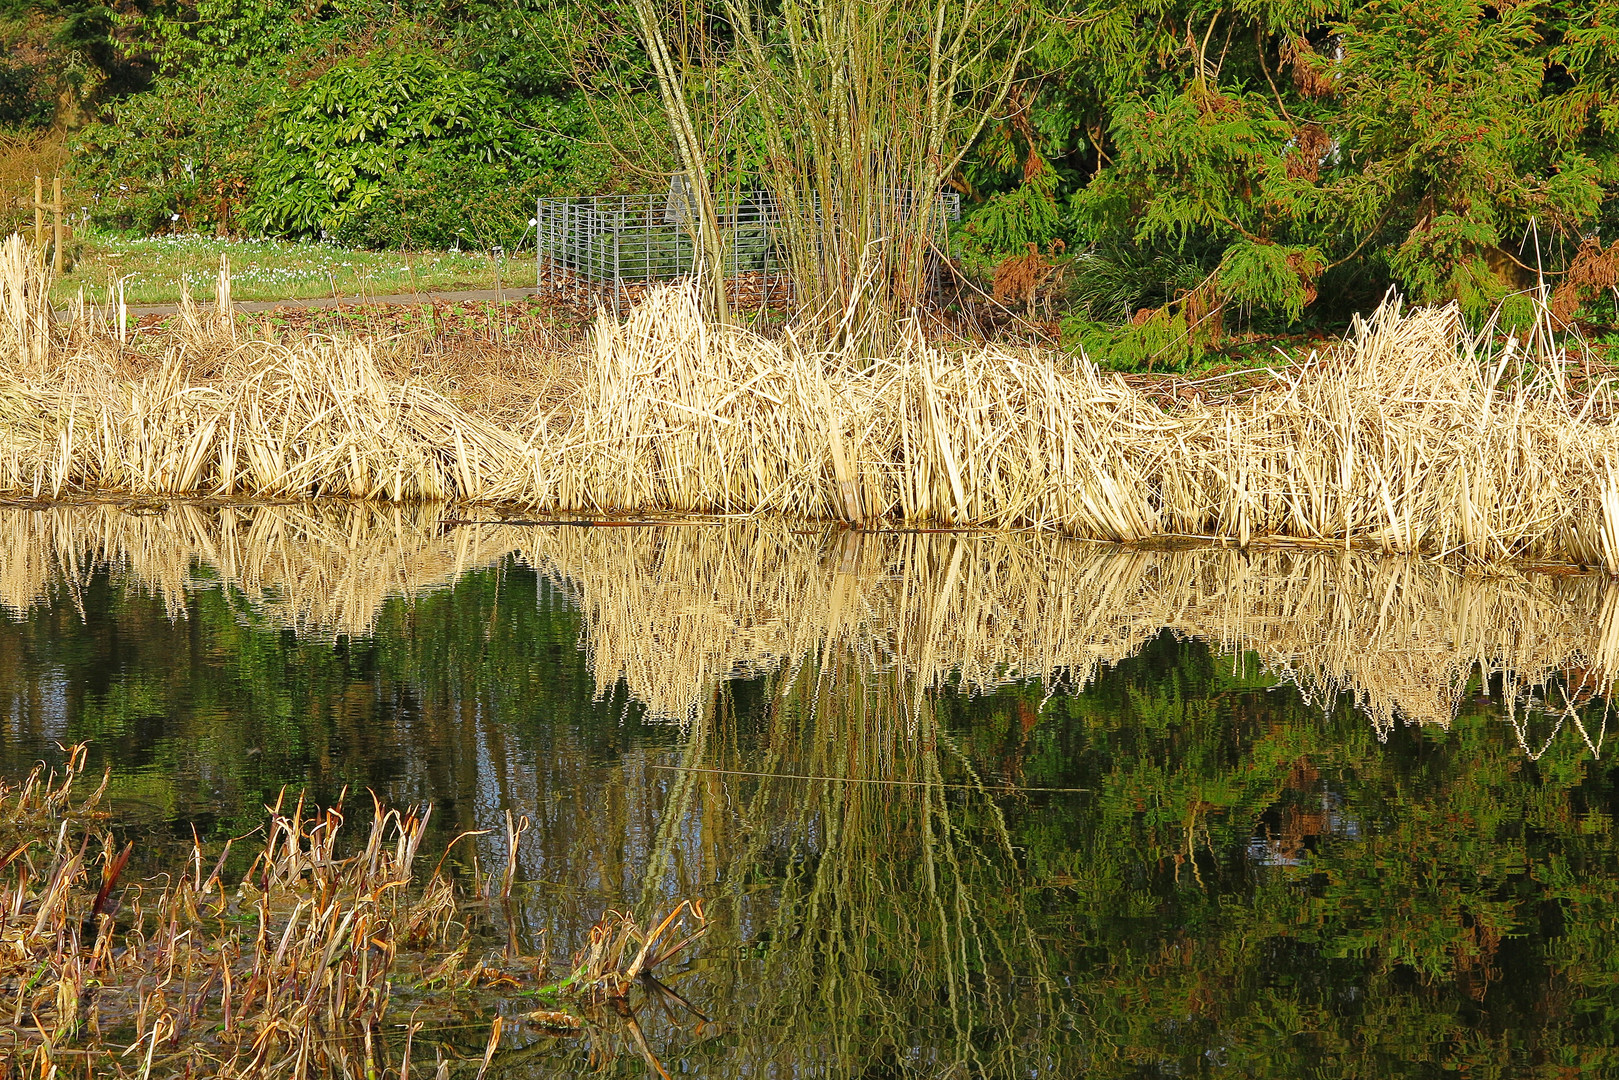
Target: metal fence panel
607, 242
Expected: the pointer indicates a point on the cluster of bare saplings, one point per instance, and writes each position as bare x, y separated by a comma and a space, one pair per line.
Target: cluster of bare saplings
1414, 434
325, 957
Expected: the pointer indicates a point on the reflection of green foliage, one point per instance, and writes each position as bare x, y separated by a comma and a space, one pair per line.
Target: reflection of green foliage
125, 704
1219, 877
897, 933
224, 706
1446, 895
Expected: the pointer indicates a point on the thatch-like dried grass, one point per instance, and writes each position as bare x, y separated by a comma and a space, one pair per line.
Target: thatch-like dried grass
1413, 435
671, 611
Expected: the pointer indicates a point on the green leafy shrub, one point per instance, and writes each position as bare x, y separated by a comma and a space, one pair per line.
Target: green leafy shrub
437, 203
179, 159
349, 120
1356, 146
338, 142
181, 156
443, 196
1338, 149
23, 104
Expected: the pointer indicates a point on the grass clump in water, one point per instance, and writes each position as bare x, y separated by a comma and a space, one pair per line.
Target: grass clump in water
323, 958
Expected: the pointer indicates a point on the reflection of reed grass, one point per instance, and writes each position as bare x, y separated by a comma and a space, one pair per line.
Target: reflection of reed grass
322, 568
671, 611
1411, 436
897, 939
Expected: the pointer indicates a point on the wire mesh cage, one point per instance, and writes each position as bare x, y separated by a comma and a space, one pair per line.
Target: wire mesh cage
606, 245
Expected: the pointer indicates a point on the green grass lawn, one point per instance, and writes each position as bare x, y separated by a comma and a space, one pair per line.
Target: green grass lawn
153, 269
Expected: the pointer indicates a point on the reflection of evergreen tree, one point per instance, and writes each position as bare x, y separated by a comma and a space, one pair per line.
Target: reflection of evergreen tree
1261, 885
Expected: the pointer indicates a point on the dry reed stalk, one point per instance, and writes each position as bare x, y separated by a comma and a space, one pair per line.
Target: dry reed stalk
674, 611
1411, 436
504, 384
1402, 440
286, 974
283, 421
27, 325
292, 971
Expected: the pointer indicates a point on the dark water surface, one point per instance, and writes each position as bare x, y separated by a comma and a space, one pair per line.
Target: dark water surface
1187, 851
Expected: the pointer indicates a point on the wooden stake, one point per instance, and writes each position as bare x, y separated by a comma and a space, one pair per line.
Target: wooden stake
39, 214
56, 226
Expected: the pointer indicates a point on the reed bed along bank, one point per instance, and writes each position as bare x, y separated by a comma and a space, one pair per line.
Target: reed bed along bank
1411, 435
672, 611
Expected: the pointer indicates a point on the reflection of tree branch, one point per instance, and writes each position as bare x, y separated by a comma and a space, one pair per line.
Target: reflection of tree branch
882, 880
931, 766
677, 807
1003, 837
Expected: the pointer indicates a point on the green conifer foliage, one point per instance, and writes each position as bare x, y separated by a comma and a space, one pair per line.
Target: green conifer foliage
1299, 150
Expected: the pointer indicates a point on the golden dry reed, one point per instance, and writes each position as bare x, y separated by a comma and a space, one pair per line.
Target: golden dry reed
673, 610
1412, 435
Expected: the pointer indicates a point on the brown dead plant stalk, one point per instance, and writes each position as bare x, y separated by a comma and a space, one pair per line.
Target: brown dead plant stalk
1023, 278
293, 967
620, 951
288, 973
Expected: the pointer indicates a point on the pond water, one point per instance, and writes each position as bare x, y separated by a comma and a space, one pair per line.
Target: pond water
1001, 806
